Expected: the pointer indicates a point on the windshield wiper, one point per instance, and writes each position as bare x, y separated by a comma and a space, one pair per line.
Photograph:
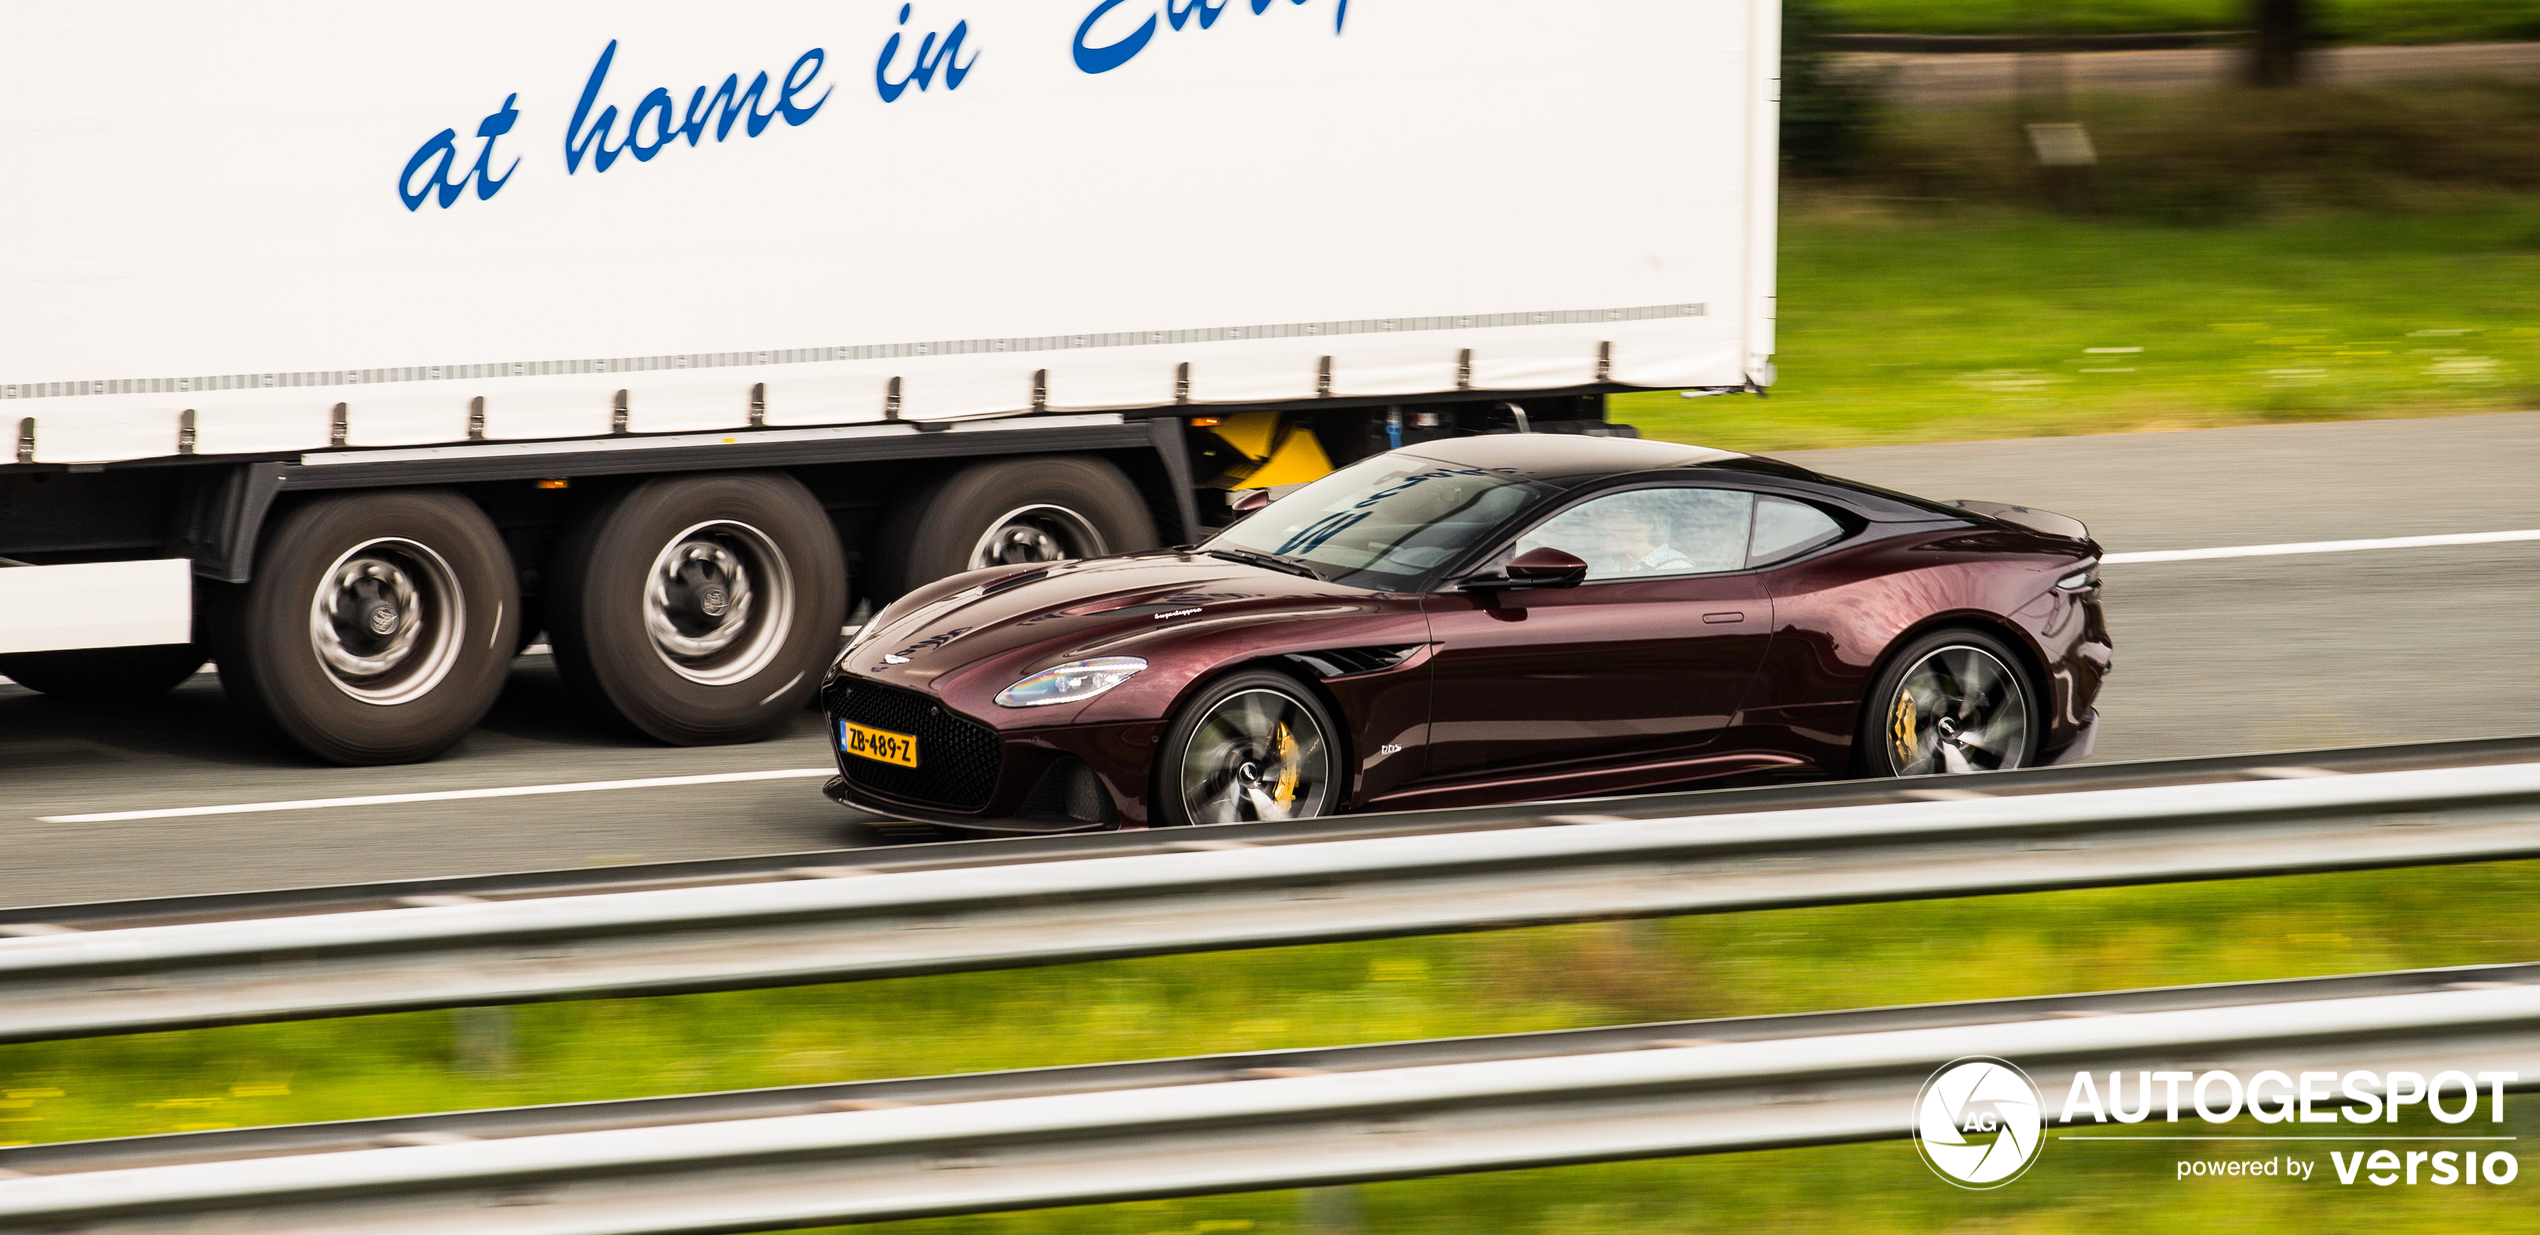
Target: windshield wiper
1270, 560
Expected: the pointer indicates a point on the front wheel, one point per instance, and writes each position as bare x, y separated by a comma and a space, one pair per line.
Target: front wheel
378, 629
1255, 747
1952, 701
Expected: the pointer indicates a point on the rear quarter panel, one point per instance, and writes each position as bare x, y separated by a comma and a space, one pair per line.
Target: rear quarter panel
1837, 616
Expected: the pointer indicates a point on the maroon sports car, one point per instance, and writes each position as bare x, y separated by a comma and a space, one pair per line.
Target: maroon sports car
1489, 619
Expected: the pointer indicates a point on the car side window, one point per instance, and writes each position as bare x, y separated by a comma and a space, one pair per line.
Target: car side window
1645, 533
1784, 529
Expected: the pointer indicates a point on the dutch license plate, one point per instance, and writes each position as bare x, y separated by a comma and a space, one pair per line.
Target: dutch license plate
879, 744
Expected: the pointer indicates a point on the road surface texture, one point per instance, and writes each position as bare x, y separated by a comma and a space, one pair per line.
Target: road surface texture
1960, 79
2213, 657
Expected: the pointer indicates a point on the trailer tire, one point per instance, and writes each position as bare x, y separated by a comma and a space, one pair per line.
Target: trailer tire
1005, 511
105, 675
700, 609
379, 626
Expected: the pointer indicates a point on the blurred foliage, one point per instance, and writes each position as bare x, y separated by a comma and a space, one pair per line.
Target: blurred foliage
1827, 117
2229, 155
1906, 322
1597, 973
2348, 21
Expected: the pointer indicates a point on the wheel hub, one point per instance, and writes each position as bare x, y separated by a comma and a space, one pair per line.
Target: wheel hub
1032, 534
385, 621
718, 602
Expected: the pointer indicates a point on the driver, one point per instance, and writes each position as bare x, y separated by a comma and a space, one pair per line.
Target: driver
1631, 541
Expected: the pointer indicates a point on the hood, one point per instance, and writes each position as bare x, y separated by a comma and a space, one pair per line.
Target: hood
1037, 616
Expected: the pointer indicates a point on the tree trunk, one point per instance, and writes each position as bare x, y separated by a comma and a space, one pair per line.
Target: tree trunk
2275, 60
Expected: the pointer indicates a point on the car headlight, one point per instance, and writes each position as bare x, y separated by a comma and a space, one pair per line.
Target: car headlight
1071, 682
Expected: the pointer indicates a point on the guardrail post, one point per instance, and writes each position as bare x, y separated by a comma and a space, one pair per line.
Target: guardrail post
482, 1038
1330, 1211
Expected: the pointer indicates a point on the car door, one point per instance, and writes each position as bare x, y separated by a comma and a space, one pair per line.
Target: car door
1648, 657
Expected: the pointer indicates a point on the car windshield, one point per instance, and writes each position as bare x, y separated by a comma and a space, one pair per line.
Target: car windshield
1388, 522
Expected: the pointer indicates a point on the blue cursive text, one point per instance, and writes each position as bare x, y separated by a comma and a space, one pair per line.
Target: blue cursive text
444, 147
929, 58
657, 119
1109, 56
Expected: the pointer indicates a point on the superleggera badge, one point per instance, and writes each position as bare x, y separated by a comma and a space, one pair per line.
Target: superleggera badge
1176, 613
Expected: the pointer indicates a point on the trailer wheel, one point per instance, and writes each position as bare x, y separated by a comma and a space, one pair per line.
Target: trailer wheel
105, 675
1009, 511
701, 609
378, 628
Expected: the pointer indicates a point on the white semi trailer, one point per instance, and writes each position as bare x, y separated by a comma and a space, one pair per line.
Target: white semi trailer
352, 348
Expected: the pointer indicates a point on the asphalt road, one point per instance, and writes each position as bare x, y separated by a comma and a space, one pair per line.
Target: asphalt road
2212, 657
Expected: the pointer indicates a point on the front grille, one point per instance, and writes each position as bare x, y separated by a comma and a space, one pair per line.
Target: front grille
958, 759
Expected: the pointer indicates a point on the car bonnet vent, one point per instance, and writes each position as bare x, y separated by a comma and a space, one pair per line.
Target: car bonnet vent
1343, 662
1014, 580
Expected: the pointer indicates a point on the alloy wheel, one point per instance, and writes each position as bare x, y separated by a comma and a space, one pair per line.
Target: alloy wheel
1958, 709
1257, 755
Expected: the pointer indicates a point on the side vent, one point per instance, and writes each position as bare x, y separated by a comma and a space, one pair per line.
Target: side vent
1349, 662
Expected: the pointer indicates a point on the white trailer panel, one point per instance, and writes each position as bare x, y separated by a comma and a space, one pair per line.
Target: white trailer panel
244, 212
96, 605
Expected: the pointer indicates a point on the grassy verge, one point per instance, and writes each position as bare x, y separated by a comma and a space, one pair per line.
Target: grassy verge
1900, 324
2344, 21
1782, 961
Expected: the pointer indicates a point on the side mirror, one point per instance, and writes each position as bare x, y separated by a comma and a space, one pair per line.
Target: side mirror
1252, 501
1544, 567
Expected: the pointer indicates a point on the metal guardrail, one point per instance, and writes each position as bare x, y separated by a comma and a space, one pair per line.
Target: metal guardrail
964, 854
1238, 1123
826, 930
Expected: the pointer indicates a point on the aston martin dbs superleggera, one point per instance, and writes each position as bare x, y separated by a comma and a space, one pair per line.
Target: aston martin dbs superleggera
1487, 619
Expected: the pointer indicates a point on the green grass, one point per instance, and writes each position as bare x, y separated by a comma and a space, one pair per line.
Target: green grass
2351, 21
1905, 326
1782, 961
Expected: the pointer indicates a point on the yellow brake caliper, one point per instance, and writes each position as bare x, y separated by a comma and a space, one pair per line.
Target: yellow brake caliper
1901, 727
1283, 748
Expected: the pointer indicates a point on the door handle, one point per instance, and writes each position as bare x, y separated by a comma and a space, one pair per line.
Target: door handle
1722, 619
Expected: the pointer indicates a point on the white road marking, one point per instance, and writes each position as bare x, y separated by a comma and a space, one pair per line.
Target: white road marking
2321, 546
444, 795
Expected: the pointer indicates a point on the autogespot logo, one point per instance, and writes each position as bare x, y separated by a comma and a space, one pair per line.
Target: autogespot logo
1979, 1122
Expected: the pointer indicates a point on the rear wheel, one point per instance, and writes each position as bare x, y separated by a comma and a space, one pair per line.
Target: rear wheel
105, 675
1952, 701
701, 609
1257, 746
1008, 512
378, 628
